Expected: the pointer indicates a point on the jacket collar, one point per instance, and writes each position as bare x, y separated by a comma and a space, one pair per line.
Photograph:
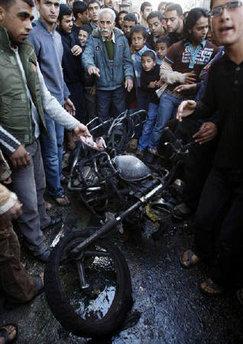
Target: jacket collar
4, 38
5, 41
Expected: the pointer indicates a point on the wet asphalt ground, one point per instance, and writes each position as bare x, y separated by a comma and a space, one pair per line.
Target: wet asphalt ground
168, 307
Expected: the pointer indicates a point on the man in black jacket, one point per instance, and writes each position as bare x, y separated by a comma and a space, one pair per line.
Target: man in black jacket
71, 61
219, 218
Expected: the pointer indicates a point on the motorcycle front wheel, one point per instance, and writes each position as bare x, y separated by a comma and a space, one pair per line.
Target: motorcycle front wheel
89, 293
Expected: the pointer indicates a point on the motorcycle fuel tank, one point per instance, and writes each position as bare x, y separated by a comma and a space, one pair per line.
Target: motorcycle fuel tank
130, 168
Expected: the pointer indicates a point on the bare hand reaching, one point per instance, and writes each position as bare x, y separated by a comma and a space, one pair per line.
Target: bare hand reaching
186, 108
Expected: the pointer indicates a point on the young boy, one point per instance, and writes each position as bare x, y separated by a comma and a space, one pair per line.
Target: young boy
88, 80
161, 47
150, 81
138, 47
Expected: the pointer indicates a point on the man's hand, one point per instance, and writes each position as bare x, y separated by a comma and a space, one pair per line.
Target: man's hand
94, 70
81, 130
20, 158
76, 50
128, 85
12, 214
190, 78
186, 87
206, 133
186, 108
152, 84
69, 107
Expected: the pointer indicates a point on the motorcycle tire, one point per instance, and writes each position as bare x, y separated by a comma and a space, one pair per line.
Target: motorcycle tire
61, 302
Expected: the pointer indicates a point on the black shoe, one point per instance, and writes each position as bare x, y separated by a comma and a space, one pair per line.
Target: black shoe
44, 256
55, 221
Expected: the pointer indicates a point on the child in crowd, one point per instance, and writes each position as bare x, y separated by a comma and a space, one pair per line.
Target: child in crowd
89, 80
150, 82
138, 47
161, 47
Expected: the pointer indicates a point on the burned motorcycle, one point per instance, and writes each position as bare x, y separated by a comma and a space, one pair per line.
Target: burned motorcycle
87, 280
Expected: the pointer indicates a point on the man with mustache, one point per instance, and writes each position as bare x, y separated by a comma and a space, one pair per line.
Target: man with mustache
107, 56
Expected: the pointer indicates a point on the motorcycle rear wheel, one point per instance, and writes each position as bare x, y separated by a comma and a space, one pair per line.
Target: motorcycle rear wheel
99, 310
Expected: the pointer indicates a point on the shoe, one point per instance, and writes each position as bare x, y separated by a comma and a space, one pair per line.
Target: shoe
55, 221
189, 259
210, 288
181, 211
44, 256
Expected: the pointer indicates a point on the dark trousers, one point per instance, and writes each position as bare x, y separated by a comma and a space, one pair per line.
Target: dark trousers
15, 282
219, 226
77, 97
197, 163
110, 103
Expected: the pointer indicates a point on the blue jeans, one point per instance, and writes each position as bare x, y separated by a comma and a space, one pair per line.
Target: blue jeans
148, 126
108, 100
167, 109
52, 152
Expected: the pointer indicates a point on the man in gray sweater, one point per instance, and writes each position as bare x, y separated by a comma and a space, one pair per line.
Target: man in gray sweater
49, 51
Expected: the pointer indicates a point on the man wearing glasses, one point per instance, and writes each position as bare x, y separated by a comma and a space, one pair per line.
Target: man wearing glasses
219, 217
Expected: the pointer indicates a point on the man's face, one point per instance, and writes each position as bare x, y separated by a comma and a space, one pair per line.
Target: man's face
49, 10
106, 25
109, 3
94, 12
84, 17
138, 41
127, 25
200, 30
228, 27
173, 22
147, 10
155, 26
17, 21
66, 23
83, 36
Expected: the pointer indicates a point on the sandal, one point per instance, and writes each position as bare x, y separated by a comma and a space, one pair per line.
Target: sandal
9, 332
210, 288
62, 200
189, 259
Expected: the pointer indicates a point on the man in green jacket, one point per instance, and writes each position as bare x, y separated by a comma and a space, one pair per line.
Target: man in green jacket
23, 100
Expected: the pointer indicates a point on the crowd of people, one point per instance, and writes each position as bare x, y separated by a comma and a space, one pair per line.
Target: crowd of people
85, 59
